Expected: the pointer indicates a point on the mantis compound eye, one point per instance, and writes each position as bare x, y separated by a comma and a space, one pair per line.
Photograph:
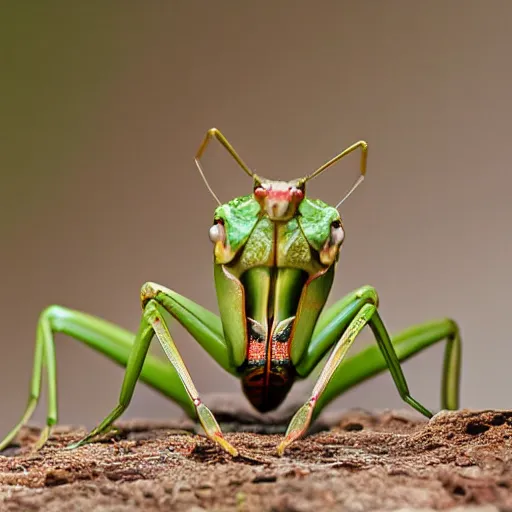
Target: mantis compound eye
260, 192
221, 249
337, 234
296, 194
332, 245
217, 232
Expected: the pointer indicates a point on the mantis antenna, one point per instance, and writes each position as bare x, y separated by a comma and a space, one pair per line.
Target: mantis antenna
364, 157
215, 133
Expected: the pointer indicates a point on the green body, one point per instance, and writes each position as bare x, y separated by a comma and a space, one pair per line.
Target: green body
271, 288
275, 253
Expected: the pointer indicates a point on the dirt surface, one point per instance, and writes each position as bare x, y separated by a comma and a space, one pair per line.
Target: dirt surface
387, 461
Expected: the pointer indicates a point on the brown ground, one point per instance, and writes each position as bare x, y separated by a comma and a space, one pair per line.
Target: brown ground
366, 462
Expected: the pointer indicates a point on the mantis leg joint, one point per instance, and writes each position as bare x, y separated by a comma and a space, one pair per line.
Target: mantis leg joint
369, 294
51, 312
149, 291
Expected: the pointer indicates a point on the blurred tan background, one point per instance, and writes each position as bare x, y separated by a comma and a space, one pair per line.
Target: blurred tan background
103, 105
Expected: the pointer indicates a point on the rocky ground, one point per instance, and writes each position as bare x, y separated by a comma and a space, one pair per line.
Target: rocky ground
355, 462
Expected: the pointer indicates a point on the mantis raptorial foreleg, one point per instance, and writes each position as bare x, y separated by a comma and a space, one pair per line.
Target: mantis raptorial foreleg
346, 319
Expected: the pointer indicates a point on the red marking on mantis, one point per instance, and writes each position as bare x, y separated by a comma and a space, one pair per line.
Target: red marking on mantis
280, 351
280, 195
256, 351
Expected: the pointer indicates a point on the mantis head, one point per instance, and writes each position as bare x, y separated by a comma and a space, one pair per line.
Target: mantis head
279, 199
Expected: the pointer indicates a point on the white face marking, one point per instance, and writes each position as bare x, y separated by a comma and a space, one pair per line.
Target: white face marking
277, 207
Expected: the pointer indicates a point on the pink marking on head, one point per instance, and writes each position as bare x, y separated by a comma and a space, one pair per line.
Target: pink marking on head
280, 195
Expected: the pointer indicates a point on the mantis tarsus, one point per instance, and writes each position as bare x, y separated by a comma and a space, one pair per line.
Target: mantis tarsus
275, 253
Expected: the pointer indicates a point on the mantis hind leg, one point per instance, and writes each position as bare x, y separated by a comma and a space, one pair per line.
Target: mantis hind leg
346, 319
110, 339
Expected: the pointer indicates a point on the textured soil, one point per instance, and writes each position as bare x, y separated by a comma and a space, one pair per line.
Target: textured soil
386, 461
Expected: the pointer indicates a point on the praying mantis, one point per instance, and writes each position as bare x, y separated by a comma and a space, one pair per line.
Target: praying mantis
275, 251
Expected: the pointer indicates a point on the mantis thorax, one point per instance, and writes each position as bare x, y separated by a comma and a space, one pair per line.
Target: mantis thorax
277, 225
